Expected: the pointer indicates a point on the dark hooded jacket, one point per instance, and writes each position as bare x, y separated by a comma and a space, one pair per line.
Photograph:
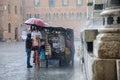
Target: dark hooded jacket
28, 41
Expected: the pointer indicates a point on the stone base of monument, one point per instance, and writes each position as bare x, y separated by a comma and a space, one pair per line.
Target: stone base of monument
101, 69
118, 69
104, 69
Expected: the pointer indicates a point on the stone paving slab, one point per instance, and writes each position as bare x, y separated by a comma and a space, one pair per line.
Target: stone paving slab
13, 66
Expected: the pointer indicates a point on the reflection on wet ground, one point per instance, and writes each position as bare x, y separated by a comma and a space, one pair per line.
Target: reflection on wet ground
13, 66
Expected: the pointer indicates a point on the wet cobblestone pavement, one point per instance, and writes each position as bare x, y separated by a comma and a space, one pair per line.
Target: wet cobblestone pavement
13, 66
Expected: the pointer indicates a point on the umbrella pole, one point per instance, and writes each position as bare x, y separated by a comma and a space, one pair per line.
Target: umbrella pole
31, 28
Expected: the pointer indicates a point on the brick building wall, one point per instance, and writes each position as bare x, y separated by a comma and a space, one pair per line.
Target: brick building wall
10, 19
67, 15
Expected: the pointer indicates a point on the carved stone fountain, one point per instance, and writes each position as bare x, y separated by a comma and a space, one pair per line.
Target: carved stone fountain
107, 44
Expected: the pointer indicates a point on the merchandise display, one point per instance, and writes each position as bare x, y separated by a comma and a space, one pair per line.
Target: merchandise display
53, 45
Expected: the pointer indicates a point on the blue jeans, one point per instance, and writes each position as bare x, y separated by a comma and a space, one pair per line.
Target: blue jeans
28, 51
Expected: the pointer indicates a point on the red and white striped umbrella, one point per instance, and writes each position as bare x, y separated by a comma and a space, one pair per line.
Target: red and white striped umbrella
47, 25
34, 21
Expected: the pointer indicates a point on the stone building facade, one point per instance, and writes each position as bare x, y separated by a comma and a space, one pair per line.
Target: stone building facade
10, 19
58, 13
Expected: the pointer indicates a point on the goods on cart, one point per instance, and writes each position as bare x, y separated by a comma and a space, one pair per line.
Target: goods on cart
53, 45
43, 63
53, 62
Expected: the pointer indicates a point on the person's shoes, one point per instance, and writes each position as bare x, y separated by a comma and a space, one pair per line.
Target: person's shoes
29, 66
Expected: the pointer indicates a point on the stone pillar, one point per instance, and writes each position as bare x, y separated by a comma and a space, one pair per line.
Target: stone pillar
107, 44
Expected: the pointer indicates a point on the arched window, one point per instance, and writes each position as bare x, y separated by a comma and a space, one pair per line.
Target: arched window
51, 3
9, 9
36, 2
62, 16
37, 15
54, 16
15, 9
78, 2
78, 17
71, 16
49, 17
28, 16
57, 16
65, 16
46, 16
9, 28
65, 2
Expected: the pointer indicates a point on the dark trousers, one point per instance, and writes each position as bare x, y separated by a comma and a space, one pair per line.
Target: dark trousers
28, 51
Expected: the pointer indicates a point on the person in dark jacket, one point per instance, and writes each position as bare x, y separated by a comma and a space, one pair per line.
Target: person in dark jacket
28, 49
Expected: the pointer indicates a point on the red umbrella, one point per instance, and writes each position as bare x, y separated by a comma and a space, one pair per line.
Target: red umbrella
47, 25
34, 21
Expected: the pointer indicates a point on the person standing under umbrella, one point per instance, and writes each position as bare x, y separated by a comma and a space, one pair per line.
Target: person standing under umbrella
28, 46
